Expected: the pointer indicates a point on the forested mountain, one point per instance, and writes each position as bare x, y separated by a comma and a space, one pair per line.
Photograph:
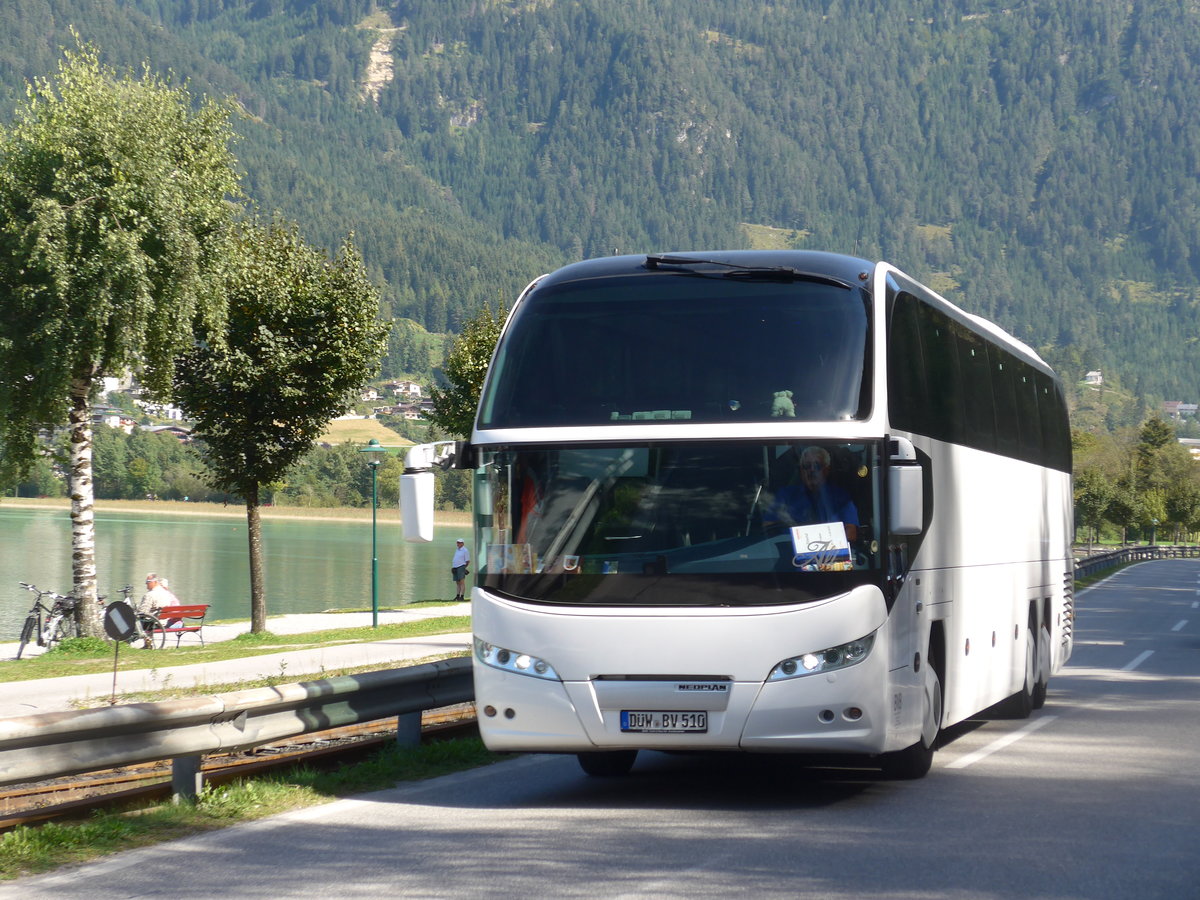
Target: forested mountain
1037, 162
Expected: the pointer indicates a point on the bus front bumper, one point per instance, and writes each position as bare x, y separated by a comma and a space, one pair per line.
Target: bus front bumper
844, 711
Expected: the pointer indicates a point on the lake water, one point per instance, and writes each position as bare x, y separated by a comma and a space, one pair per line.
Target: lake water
310, 564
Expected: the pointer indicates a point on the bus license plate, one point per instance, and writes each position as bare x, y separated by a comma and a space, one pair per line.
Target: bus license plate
662, 722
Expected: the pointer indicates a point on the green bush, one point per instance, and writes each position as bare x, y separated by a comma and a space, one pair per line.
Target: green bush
82, 647
252, 638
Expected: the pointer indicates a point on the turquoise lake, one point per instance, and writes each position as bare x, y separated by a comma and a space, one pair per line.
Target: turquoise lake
311, 564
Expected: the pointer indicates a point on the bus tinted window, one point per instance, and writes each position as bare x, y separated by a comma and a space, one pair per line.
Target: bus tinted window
944, 403
1056, 434
680, 347
1025, 394
1008, 426
979, 422
907, 392
953, 384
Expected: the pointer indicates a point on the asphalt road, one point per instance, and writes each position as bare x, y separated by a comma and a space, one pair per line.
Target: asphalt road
1094, 797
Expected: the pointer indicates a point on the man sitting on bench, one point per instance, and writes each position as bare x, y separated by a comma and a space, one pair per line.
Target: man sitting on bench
156, 597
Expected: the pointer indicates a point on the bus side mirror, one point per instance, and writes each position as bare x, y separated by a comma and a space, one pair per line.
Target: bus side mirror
417, 488
416, 506
906, 504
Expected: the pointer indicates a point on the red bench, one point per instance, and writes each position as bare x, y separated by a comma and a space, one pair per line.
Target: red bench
181, 620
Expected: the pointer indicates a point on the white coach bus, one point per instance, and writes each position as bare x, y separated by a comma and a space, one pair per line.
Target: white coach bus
758, 501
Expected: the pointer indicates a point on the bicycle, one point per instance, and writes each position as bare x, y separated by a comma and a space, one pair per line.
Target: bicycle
47, 624
148, 629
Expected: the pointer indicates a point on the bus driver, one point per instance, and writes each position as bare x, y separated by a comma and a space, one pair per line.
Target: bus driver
815, 499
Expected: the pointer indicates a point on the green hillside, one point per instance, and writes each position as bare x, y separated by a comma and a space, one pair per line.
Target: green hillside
1037, 163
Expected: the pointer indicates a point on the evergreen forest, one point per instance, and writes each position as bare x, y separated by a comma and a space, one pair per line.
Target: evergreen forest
1035, 162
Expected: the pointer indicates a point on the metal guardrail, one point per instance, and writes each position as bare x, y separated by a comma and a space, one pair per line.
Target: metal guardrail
1101, 561
54, 744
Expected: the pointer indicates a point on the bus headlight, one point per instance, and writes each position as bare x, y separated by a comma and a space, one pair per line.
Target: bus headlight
828, 660
513, 661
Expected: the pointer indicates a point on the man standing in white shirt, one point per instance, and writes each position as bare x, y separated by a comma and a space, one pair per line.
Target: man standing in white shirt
458, 567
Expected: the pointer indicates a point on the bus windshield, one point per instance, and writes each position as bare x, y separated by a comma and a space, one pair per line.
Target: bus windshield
678, 523
677, 346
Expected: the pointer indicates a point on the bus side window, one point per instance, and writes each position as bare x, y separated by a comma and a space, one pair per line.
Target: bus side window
908, 396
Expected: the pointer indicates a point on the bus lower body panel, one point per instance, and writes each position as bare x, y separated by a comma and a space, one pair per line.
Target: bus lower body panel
844, 712
675, 681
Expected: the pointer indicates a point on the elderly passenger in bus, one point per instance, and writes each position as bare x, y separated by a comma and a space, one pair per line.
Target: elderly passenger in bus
814, 499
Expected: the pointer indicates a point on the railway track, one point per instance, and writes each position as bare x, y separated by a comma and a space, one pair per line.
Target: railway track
79, 795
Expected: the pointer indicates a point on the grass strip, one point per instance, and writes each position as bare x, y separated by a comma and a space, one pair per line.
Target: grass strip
29, 850
86, 656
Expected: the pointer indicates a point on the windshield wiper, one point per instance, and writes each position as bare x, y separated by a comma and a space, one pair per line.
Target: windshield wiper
748, 273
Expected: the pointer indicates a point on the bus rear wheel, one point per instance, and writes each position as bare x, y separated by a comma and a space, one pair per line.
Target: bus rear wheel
1043, 669
607, 763
1022, 704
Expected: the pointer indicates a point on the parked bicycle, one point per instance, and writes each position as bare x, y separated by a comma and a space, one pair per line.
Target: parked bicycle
47, 625
148, 630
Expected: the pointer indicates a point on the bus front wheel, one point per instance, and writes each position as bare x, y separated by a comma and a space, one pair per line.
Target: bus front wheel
916, 761
607, 763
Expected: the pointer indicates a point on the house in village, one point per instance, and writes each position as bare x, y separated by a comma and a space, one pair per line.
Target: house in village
1177, 410
113, 418
408, 389
183, 435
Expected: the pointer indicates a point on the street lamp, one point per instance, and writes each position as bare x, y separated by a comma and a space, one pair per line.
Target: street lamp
373, 451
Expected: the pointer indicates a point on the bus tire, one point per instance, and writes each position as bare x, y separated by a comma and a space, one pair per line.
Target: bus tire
607, 763
1043, 668
915, 761
1020, 705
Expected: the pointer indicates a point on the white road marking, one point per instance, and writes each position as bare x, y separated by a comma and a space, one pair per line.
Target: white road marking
1138, 660
1000, 743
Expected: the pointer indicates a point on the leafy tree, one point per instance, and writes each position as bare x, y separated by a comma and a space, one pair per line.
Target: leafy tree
43, 481
300, 336
113, 214
1153, 511
1183, 506
466, 367
1093, 494
1125, 508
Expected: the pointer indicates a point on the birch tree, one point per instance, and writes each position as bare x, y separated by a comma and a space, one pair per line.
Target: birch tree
115, 204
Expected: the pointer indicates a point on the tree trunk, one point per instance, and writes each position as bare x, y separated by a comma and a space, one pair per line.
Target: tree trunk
258, 600
83, 503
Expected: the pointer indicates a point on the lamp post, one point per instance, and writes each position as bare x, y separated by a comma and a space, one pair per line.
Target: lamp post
373, 451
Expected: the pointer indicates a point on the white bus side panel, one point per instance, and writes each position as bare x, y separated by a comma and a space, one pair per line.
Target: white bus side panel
997, 543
